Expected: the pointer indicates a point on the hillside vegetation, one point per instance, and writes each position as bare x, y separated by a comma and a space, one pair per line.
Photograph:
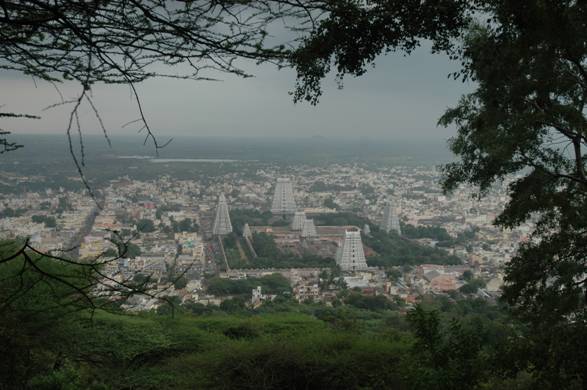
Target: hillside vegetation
52, 338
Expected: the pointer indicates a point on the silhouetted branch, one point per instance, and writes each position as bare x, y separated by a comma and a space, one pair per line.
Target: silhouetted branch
123, 41
88, 286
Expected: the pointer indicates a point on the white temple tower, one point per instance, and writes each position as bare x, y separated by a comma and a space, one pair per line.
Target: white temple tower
283, 198
367, 229
351, 256
247, 231
298, 220
309, 229
222, 223
390, 219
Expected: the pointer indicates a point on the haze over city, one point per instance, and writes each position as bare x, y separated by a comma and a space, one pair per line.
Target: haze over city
308, 194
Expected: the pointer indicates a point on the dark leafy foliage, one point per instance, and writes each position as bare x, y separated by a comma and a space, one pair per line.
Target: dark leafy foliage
369, 302
38, 312
340, 219
239, 217
185, 225
265, 246
526, 116
48, 342
145, 225
48, 221
434, 232
394, 250
269, 256
353, 34
9, 212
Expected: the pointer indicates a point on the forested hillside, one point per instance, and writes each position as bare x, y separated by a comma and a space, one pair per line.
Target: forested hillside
51, 338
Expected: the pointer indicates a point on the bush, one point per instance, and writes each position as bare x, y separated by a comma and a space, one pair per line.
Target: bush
145, 226
233, 305
180, 283
319, 360
434, 232
376, 303
242, 331
472, 286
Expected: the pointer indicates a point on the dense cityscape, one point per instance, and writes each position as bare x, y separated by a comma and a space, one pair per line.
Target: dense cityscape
185, 235
293, 195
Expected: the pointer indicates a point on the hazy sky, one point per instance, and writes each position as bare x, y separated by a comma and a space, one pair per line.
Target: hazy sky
402, 97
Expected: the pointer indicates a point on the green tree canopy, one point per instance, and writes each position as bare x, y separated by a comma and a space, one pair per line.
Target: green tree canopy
525, 120
185, 225
39, 299
145, 225
48, 221
526, 116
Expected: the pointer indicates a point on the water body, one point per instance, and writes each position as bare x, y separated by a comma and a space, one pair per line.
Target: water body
180, 160
196, 160
54, 148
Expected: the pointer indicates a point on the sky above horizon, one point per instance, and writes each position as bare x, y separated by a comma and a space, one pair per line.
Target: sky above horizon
400, 98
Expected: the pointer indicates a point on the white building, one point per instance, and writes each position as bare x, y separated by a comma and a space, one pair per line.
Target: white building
390, 219
298, 220
309, 229
351, 256
283, 198
222, 223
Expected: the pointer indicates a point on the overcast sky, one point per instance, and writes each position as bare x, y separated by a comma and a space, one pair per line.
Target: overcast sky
401, 98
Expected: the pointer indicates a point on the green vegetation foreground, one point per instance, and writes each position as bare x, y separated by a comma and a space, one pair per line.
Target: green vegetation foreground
50, 339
